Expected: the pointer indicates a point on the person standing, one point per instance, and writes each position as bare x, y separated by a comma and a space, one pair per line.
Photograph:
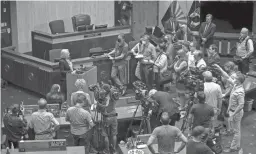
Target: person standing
244, 51
213, 95
148, 51
119, 63
235, 108
166, 136
190, 55
43, 123
66, 66
80, 123
206, 33
195, 144
15, 126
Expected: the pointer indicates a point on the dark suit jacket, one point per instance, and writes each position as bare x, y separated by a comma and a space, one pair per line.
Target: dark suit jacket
180, 35
208, 34
64, 68
169, 29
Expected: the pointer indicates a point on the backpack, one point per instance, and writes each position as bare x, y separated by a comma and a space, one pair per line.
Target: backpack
253, 56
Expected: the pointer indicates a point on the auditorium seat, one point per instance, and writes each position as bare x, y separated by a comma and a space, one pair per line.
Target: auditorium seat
54, 55
57, 26
95, 51
80, 22
101, 26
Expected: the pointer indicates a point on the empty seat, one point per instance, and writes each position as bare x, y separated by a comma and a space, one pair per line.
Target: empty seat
54, 55
80, 22
101, 26
57, 26
95, 51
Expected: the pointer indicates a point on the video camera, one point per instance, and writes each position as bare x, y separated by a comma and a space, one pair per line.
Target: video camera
141, 94
102, 90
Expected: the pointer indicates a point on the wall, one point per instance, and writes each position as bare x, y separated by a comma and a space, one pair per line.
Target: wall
254, 18
36, 15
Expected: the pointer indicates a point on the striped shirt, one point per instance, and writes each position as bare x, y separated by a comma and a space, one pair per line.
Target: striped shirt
43, 122
237, 96
79, 120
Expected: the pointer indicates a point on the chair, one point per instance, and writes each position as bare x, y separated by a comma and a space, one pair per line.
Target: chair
54, 55
101, 26
80, 22
57, 26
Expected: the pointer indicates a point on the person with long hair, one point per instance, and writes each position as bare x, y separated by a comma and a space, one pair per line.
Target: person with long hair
180, 66
55, 96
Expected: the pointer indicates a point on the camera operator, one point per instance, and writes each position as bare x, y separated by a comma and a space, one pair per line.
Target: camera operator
201, 114
213, 95
166, 104
235, 108
166, 136
110, 119
200, 63
180, 67
15, 126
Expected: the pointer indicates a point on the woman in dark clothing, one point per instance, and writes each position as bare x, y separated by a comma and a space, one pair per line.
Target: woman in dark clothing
55, 96
66, 66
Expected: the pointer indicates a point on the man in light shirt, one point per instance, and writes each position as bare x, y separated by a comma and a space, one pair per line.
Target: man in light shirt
213, 95
200, 63
190, 54
44, 123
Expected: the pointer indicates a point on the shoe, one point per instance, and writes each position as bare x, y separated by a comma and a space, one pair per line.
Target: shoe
231, 150
123, 90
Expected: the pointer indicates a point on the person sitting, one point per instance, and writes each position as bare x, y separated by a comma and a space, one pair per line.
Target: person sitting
166, 136
43, 123
190, 55
15, 126
81, 84
55, 96
200, 63
213, 56
195, 144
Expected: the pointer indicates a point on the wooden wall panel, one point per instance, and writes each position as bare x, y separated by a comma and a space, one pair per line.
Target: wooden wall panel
36, 15
145, 13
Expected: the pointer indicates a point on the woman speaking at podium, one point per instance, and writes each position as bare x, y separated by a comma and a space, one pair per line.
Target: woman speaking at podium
66, 66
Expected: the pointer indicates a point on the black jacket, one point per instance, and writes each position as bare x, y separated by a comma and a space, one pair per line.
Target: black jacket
64, 68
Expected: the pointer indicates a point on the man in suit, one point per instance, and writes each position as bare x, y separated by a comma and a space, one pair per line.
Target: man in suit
206, 33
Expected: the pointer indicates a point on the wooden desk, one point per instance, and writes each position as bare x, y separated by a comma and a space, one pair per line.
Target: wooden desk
78, 43
70, 150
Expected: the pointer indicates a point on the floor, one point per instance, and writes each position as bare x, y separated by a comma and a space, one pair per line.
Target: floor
15, 95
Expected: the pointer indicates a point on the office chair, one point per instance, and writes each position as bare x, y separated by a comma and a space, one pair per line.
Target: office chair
54, 55
57, 26
95, 51
101, 26
80, 22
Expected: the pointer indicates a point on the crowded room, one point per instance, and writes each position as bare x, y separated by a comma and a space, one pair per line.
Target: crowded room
128, 77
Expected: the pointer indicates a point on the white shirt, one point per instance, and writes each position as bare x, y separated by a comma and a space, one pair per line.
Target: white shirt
212, 93
161, 61
191, 60
201, 63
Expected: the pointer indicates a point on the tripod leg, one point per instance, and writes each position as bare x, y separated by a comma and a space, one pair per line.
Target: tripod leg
148, 126
141, 125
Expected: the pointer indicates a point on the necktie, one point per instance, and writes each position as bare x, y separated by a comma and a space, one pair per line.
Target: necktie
206, 27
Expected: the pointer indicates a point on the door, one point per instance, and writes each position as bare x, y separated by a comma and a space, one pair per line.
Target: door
144, 13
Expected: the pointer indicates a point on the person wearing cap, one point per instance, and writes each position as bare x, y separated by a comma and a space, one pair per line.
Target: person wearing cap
213, 56
66, 66
196, 145
148, 51
15, 126
81, 84
213, 95
43, 123
166, 104
166, 136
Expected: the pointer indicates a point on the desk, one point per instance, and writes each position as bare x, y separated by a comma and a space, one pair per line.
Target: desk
70, 150
78, 43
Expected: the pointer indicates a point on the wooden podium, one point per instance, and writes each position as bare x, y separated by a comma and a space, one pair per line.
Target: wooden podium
90, 76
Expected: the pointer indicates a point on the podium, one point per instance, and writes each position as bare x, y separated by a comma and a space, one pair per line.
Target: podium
90, 76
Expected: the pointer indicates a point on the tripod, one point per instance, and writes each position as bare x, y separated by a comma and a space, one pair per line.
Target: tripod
185, 122
145, 122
